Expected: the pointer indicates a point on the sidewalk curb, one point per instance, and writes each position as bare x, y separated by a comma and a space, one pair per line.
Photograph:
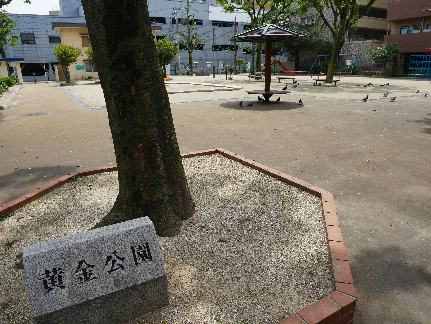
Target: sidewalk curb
336, 308
10, 98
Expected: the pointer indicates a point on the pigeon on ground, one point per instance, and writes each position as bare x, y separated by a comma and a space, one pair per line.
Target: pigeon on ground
382, 85
365, 99
295, 86
365, 85
417, 91
387, 84
385, 94
426, 94
370, 84
259, 98
240, 103
300, 101
250, 104
278, 100
393, 99
285, 88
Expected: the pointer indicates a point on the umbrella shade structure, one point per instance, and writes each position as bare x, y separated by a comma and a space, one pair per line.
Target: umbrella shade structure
268, 34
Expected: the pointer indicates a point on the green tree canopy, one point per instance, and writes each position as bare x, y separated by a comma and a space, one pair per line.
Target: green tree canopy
67, 55
166, 52
345, 15
6, 24
386, 54
89, 52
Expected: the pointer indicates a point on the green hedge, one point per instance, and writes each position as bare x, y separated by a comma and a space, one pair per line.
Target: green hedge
5, 83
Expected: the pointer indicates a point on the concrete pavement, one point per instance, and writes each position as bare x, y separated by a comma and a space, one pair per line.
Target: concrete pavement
373, 156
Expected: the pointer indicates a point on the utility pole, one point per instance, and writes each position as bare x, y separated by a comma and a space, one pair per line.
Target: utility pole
213, 51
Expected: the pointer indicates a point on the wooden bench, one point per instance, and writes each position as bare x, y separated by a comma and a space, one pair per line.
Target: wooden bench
256, 76
285, 77
326, 80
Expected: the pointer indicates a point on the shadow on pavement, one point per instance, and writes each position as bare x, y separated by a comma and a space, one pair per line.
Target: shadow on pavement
285, 104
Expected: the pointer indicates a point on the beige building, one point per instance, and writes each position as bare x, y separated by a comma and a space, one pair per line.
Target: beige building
76, 34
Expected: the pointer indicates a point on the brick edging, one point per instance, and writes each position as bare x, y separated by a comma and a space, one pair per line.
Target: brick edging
336, 308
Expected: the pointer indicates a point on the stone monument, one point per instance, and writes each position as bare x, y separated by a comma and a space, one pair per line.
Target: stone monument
106, 275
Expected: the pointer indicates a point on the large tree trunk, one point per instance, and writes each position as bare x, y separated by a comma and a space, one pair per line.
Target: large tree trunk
150, 173
338, 44
259, 57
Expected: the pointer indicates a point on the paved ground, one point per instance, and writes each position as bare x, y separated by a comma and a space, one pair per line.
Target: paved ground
373, 156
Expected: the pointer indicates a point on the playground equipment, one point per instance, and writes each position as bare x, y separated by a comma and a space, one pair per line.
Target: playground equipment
354, 59
420, 65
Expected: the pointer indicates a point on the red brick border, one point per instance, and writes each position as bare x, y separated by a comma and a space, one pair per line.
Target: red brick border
336, 308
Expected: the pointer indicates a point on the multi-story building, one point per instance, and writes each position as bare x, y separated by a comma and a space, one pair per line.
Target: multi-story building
410, 25
215, 27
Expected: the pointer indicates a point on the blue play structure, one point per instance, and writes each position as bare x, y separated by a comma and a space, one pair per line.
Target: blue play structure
420, 65
354, 60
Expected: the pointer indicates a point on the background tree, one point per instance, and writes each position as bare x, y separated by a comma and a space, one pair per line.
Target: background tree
89, 52
6, 25
151, 177
260, 12
166, 52
346, 14
192, 40
386, 54
67, 55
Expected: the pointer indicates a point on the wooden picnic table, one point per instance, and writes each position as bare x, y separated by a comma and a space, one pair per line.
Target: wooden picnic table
326, 80
285, 77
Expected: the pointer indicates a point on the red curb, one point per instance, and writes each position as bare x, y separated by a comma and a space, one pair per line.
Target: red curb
334, 233
346, 302
4, 210
342, 271
346, 319
323, 311
346, 289
331, 219
338, 251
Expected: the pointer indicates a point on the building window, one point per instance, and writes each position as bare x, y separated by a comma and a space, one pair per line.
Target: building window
407, 29
158, 20
85, 41
89, 68
28, 38
182, 21
54, 40
309, 20
428, 26
218, 48
199, 47
223, 23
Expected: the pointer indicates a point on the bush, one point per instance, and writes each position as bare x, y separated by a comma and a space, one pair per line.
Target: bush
183, 72
177, 73
89, 77
244, 69
5, 83
348, 69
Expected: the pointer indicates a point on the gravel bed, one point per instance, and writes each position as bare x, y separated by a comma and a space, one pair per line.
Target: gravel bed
255, 251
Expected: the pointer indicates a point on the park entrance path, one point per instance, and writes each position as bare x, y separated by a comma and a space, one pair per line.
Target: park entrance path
44, 134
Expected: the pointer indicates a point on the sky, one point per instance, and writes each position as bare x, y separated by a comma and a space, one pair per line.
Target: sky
37, 7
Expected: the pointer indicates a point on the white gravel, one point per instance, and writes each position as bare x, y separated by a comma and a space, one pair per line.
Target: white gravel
273, 260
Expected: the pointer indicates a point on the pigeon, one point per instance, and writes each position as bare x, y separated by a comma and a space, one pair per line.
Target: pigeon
426, 94
385, 94
285, 88
365, 99
250, 104
278, 100
382, 85
393, 99
387, 84
240, 103
295, 86
300, 101
370, 84
417, 91
365, 85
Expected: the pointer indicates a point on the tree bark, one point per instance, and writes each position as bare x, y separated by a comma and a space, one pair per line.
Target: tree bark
150, 173
338, 44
